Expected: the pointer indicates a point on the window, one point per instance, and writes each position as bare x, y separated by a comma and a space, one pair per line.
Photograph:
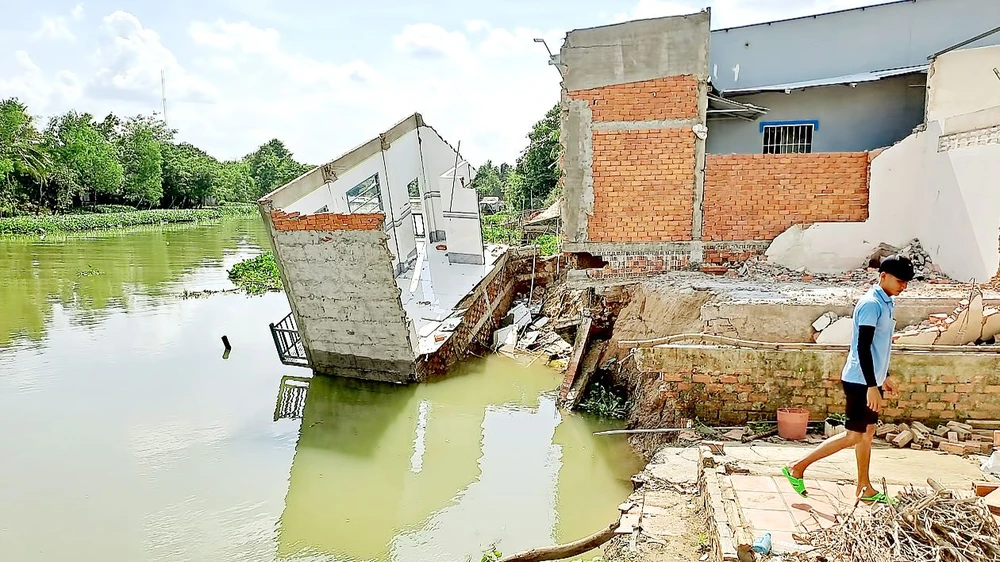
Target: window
418, 224
413, 189
788, 138
365, 197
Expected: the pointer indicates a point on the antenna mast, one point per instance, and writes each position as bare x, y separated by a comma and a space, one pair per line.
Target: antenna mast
163, 94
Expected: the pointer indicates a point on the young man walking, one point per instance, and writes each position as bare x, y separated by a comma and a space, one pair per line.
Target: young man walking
864, 378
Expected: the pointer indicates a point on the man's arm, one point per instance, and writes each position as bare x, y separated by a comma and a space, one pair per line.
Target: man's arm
866, 335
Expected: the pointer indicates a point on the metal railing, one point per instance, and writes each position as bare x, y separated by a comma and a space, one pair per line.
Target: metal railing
288, 342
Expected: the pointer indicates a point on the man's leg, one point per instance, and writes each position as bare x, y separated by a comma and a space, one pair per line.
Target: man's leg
832, 445
863, 452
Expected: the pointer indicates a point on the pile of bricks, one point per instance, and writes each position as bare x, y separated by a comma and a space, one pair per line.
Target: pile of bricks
953, 437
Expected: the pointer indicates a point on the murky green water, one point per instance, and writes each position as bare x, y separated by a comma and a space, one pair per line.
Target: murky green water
127, 436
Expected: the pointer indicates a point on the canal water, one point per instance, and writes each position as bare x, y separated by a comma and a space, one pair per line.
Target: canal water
127, 435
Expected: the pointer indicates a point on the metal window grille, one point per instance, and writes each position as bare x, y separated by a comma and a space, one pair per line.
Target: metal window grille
788, 139
366, 197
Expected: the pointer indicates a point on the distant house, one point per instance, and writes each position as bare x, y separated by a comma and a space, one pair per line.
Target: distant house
846, 81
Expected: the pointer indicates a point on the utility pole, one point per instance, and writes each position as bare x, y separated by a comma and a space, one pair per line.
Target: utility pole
163, 95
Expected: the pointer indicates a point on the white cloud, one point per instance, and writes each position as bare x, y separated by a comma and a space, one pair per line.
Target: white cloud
44, 95
430, 41
55, 28
475, 26
130, 60
730, 13
77, 12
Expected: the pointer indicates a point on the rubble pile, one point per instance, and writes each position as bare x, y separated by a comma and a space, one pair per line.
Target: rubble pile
969, 323
923, 526
757, 267
954, 437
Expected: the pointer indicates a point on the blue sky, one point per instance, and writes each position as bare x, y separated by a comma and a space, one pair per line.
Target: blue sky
322, 76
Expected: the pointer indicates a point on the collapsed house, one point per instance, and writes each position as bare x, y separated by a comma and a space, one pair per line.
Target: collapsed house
685, 146
376, 249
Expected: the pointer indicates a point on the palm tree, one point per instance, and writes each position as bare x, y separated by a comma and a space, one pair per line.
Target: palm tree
20, 145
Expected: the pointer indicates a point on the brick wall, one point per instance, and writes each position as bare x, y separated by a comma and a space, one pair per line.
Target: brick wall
759, 196
733, 386
326, 221
671, 97
643, 185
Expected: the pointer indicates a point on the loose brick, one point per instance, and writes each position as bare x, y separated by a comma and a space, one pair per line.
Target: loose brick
953, 448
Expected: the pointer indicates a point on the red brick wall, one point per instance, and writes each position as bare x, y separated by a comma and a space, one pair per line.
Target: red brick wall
643, 185
326, 221
732, 386
759, 196
672, 97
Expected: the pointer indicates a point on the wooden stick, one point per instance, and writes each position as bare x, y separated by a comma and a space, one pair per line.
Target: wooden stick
567, 550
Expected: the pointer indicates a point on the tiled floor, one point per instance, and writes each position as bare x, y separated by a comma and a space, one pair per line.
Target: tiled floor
769, 505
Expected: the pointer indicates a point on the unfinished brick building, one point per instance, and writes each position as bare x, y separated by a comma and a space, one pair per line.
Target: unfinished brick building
669, 161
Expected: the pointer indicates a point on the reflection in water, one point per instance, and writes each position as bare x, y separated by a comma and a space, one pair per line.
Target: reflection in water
97, 272
441, 471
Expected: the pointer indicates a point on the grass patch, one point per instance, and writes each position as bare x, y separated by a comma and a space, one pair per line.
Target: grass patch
256, 275
101, 220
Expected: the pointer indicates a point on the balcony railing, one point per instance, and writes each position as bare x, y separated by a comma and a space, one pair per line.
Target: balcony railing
288, 342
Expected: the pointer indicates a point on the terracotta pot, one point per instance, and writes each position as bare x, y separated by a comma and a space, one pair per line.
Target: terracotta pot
793, 423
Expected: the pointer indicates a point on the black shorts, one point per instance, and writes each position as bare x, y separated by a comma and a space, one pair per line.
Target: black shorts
859, 416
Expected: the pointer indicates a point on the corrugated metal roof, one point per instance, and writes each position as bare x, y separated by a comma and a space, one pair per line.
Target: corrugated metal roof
872, 76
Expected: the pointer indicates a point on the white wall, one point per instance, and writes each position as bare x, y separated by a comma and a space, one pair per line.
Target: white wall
946, 199
460, 210
962, 82
961, 218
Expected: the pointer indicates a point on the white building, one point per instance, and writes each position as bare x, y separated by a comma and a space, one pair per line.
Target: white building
375, 249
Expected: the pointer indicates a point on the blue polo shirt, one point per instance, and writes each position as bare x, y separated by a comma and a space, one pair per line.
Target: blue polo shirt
875, 308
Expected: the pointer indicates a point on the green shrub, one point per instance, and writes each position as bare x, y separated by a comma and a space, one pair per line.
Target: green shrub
257, 275
103, 220
501, 228
603, 402
548, 244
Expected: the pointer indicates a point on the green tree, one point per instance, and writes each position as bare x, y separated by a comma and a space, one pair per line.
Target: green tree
23, 158
488, 181
235, 184
141, 150
85, 161
538, 166
272, 166
189, 175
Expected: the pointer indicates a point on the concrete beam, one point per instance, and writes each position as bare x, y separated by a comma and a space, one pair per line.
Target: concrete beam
636, 50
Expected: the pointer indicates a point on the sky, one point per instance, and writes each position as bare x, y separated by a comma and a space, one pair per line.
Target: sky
322, 76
